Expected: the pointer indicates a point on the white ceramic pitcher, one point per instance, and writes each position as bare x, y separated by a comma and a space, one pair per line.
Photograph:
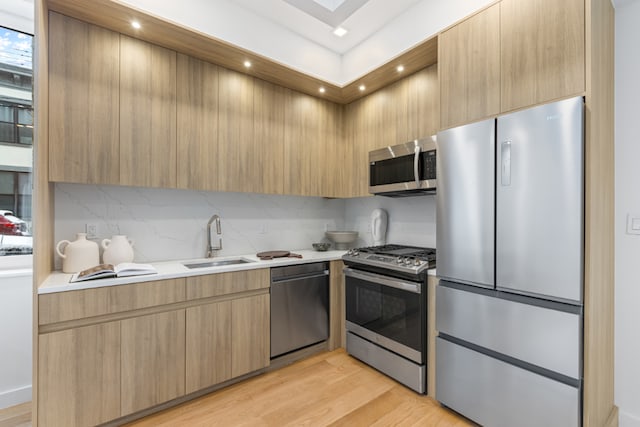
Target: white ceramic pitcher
79, 254
117, 249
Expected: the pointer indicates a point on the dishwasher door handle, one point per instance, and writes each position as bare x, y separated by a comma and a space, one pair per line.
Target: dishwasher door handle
300, 277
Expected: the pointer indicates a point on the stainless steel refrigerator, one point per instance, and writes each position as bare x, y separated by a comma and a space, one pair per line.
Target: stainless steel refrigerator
510, 228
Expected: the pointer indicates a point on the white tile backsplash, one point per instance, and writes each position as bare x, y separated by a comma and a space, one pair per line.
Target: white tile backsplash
171, 224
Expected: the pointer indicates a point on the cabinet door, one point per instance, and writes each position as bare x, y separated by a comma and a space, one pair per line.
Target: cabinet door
423, 103
304, 155
250, 333
147, 114
542, 51
83, 105
79, 376
208, 352
469, 67
197, 125
267, 167
153, 360
237, 149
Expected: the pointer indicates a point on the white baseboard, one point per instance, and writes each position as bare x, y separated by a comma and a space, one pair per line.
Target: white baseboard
15, 397
628, 420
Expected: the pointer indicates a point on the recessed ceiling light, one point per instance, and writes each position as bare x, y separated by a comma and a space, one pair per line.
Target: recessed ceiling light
136, 25
247, 64
400, 68
322, 90
340, 31
362, 88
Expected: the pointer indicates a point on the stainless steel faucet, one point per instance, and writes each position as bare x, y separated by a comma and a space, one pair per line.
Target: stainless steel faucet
210, 248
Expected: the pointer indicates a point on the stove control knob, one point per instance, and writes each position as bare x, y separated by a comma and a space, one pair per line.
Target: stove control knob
356, 252
407, 261
417, 263
399, 260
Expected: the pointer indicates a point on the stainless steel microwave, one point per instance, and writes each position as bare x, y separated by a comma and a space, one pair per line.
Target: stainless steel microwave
404, 170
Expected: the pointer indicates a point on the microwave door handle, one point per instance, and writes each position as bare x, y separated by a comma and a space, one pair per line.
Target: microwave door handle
416, 164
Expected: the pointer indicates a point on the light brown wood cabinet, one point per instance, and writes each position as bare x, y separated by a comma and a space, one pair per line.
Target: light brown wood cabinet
153, 360
84, 77
514, 54
147, 114
542, 46
250, 334
469, 66
197, 125
79, 376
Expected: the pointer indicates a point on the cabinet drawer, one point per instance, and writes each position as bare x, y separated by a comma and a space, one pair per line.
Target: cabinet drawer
494, 393
213, 285
72, 305
547, 338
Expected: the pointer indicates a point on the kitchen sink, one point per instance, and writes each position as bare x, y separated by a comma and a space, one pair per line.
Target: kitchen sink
218, 263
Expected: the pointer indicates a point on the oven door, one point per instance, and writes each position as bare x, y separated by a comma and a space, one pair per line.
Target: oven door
388, 311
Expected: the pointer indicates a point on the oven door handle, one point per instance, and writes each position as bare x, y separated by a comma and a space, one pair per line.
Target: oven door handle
415, 288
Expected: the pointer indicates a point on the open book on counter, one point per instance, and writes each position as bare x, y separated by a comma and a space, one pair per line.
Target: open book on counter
124, 269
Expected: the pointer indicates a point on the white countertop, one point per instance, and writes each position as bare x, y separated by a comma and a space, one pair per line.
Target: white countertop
59, 282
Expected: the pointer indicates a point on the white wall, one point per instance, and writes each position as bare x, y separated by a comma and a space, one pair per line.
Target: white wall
15, 334
412, 220
171, 224
627, 339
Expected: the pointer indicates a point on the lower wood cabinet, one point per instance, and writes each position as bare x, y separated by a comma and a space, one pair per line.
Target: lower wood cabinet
153, 360
79, 376
226, 340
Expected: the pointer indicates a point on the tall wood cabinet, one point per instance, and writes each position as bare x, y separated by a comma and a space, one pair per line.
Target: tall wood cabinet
84, 103
266, 166
147, 114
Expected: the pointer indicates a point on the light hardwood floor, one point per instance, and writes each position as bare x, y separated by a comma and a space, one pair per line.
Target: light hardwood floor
330, 389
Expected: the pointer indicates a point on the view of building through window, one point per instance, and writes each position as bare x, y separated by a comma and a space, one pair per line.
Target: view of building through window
16, 141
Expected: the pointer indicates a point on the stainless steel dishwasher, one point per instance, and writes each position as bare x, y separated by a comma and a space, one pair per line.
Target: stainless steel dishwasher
299, 306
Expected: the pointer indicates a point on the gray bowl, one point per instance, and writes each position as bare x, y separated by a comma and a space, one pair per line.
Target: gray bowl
321, 246
342, 239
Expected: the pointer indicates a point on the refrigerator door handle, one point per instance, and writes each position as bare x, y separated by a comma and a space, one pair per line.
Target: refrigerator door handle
505, 154
416, 163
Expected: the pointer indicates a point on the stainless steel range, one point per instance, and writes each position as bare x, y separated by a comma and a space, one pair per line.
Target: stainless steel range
386, 309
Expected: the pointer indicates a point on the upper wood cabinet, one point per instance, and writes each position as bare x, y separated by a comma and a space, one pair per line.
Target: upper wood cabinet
197, 126
83, 102
79, 376
469, 68
147, 114
542, 45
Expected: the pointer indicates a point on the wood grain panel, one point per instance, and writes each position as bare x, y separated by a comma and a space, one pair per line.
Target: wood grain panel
469, 68
62, 306
145, 294
83, 105
236, 146
208, 345
542, 51
250, 331
357, 135
267, 170
599, 254
197, 124
79, 376
147, 114
423, 103
337, 314
304, 152
153, 360
212, 285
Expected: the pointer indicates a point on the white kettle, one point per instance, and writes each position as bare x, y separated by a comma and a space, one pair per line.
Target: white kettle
117, 249
79, 254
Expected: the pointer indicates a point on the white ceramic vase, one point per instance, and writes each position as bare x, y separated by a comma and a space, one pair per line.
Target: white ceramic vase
117, 249
79, 254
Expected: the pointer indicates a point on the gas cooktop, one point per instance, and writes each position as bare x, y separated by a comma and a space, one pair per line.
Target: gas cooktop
406, 259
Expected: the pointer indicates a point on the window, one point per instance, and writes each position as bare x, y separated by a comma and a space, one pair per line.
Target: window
16, 143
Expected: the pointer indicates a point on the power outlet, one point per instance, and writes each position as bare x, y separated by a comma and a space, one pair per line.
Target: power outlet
91, 228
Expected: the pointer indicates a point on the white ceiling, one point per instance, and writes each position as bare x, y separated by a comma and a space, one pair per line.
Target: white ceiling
316, 23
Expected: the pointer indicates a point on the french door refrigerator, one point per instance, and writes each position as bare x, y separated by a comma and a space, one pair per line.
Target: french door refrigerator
510, 227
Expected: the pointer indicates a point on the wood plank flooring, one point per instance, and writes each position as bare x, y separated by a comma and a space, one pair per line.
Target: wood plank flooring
329, 389
16, 416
